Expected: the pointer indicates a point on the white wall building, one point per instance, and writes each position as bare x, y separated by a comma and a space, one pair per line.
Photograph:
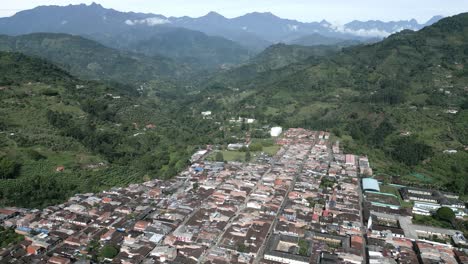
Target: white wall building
276, 131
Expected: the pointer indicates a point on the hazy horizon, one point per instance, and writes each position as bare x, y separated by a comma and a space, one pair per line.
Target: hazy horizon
336, 11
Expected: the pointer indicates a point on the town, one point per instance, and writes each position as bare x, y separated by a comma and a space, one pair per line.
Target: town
308, 203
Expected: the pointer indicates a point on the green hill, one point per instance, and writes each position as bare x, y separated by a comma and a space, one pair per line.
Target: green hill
191, 47
273, 58
88, 59
370, 94
102, 135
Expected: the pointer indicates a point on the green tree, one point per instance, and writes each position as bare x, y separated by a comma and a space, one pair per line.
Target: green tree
219, 156
410, 151
256, 146
8, 168
248, 156
108, 251
241, 247
446, 214
303, 247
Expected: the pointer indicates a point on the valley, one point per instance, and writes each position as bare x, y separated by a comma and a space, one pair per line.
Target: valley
141, 138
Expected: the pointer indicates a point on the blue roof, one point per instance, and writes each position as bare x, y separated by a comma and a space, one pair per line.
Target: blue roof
370, 184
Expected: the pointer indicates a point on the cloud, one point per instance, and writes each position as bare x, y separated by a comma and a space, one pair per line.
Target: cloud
368, 33
150, 21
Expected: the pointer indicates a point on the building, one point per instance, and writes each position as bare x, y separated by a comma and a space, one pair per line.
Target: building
285, 249
369, 184
276, 131
237, 146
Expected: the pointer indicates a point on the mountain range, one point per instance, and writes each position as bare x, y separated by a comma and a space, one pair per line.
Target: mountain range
91, 60
255, 31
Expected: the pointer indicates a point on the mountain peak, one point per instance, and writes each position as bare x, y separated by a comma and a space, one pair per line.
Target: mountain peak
214, 14
95, 5
262, 14
433, 20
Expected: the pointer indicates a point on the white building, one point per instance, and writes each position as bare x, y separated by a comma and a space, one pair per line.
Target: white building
276, 131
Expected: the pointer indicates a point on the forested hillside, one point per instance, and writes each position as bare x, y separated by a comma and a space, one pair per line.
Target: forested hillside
60, 135
403, 101
88, 59
273, 58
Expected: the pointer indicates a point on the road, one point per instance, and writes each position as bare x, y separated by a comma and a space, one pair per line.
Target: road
261, 250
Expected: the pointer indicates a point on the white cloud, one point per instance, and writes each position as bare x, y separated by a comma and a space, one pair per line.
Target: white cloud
150, 21
336, 26
293, 27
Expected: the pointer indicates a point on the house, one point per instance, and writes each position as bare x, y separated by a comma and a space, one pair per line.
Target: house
164, 253
141, 226
33, 250
183, 234
59, 260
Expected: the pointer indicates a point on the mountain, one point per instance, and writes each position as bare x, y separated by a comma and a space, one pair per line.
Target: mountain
255, 31
317, 39
273, 58
378, 28
90, 60
373, 97
182, 45
17, 68
60, 135
215, 24
273, 29
123, 30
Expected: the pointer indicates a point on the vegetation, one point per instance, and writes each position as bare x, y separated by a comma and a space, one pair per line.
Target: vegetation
8, 236
445, 214
248, 156
387, 100
108, 251
327, 182
101, 140
430, 221
219, 156
241, 248
88, 59
303, 247
8, 168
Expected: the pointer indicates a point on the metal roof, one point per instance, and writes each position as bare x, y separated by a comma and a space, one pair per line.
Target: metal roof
370, 184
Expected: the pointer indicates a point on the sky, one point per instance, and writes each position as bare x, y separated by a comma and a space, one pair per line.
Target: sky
339, 11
